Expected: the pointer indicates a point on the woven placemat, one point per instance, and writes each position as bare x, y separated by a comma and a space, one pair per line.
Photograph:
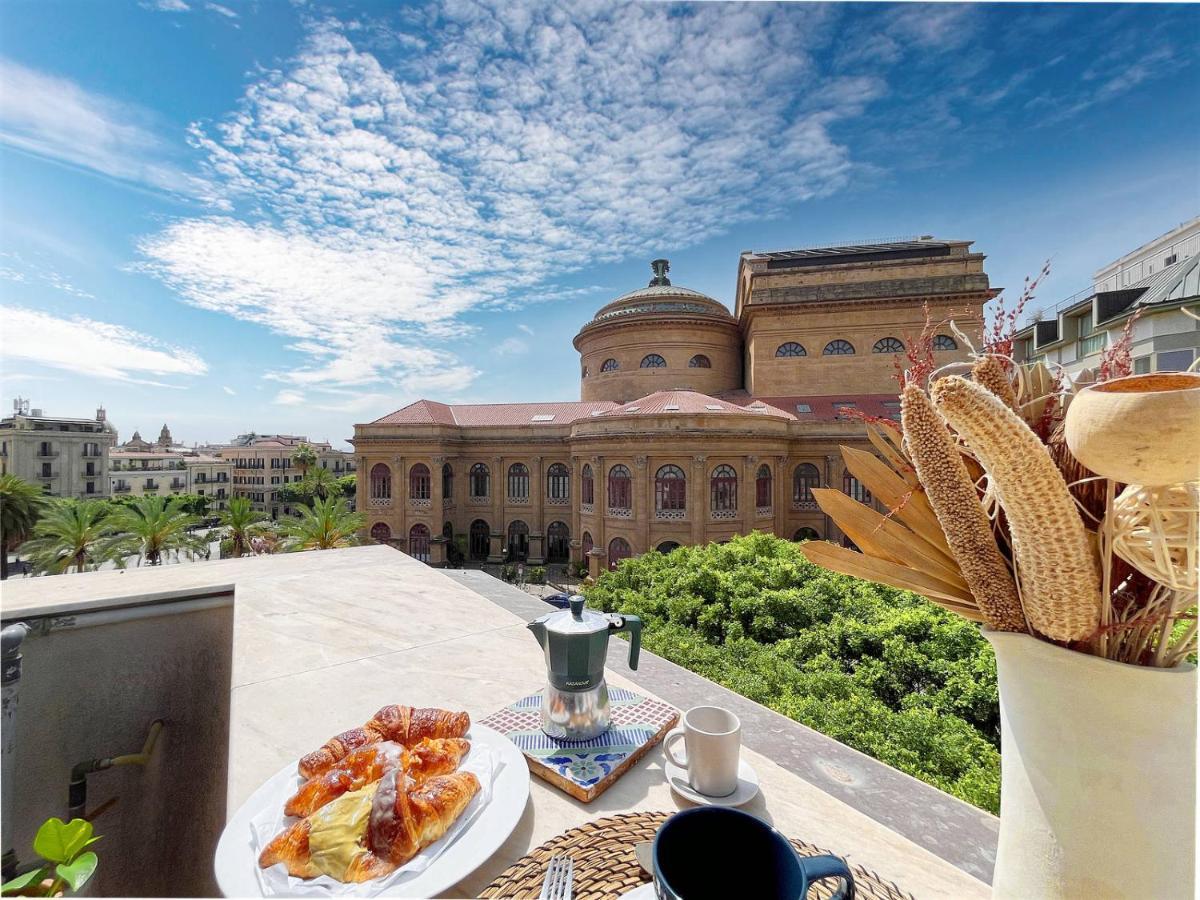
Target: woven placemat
606, 867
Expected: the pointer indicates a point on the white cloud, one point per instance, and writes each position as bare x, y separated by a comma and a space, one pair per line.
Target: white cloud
520, 145
165, 5
22, 268
289, 398
512, 346
221, 10
92, 348
56, 119
230, 391
525, 328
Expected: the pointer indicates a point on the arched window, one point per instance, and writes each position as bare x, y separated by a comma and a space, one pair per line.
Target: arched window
480, 540
620, 488
518, 481
618, 549
558, 542
888, 345
852, 487
587, 486
480, 480
585, 372
381, 533
791, 348
722, 488
518, 541
418, 542
558, 482
838, 348
448, 530
419, 485
447, 481
609, 365
804, 479
667, 546
381, 482
944, 342
586, 544
806, 534
653, 361
762, 487
670, 489
699, 361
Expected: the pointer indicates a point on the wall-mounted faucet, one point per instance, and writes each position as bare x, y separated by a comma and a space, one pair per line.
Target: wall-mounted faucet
77, 788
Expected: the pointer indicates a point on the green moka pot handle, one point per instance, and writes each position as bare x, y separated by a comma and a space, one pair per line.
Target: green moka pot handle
633, 625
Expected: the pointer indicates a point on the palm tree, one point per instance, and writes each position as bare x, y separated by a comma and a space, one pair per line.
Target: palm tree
20, 505
305, 458
71, 534
320, 483
328, 524
241, 524
154, 526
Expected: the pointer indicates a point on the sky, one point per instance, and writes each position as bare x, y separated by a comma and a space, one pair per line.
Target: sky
292, 217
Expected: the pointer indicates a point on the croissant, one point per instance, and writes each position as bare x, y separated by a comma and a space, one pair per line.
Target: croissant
402, 724
432, 756
370, 832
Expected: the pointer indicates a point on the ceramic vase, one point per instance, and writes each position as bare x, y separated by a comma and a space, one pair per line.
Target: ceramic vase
1098, 775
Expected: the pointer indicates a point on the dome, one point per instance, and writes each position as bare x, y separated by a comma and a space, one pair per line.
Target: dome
661, 297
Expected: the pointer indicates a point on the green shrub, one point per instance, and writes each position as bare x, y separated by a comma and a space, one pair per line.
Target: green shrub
881, 670
509, 572
536, 574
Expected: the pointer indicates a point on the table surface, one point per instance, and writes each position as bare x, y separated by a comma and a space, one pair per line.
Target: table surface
323, 639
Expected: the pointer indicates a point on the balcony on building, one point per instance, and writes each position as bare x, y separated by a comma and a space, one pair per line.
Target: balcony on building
241, 704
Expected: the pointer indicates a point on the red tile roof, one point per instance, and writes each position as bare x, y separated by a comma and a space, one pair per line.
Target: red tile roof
824, 409
484, 415
688, 402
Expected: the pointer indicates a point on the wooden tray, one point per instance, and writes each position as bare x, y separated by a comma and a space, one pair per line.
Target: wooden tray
586, 769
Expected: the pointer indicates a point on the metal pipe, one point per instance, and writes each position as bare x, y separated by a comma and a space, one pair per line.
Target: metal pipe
77, 787
169, 606
10, 678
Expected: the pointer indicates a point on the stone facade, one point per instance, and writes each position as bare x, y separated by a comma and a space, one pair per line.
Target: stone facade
262, 465
690, 429
67, 457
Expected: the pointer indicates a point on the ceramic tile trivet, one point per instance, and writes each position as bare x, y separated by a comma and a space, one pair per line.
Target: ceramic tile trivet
586, 769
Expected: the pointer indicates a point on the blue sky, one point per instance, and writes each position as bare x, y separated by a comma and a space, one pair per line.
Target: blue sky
297, 216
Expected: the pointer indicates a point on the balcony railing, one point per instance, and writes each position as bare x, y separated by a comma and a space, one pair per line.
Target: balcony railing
91, 454
47, 454
420, 503
121, 489
379, 502
620, 512
763, 512
670, 514
558, 501
721, 514
53, 473
177, 485
151, 486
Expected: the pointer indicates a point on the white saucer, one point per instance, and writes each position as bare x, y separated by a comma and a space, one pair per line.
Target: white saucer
641, 892
747, 788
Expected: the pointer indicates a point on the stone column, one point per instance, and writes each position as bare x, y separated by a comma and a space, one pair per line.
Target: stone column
437, 551
498, 485
600, 480
781, 500
537, 508
698, 497
831, 532
400, 501
643, 504
747, 505
597, 562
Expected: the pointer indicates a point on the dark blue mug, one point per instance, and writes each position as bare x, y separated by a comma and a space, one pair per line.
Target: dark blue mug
719, 852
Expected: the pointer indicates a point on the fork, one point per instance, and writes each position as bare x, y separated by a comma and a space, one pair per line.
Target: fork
559, 876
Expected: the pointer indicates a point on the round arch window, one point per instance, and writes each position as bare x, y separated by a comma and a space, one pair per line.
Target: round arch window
618, 549
806, 534
670, 489
791, 348
667, 546
944, 342
888, 345
653, 361
838, 348
381, 533
609, 365
699, 361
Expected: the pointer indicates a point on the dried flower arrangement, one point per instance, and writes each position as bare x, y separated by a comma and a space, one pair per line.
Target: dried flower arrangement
1033, 504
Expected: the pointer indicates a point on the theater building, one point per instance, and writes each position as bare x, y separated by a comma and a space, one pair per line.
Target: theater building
694, 424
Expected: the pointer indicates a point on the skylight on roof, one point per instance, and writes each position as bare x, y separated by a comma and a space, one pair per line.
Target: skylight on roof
632, 408
803, 408
672, 407
712, 406
543, 417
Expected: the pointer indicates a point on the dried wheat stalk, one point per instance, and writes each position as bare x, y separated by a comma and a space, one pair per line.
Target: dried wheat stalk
990, 372
1057, 569
954, 499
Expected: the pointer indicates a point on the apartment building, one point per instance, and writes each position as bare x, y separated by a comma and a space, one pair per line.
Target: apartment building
170, 473
262, 465
212, 477
68, 457
1158, 282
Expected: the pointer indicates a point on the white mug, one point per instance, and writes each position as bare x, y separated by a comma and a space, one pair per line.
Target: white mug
712, 738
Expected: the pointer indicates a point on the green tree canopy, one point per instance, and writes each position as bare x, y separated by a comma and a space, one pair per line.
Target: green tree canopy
881, 670
240, 523
305, 457
20, 505
328, 524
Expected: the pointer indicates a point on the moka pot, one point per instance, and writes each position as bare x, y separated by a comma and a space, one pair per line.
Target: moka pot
575, 640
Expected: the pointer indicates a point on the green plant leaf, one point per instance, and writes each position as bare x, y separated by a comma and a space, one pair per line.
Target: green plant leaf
78, 872
11, 887
59, 841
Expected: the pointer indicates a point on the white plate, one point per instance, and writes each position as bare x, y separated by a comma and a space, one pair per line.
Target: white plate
236, 861
641, 892
746, 791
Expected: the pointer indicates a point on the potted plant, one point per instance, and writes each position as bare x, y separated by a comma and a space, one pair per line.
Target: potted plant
1085, 582
68, 861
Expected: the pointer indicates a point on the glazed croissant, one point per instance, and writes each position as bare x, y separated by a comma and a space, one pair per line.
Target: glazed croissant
402, 820
429, 757
402, 724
